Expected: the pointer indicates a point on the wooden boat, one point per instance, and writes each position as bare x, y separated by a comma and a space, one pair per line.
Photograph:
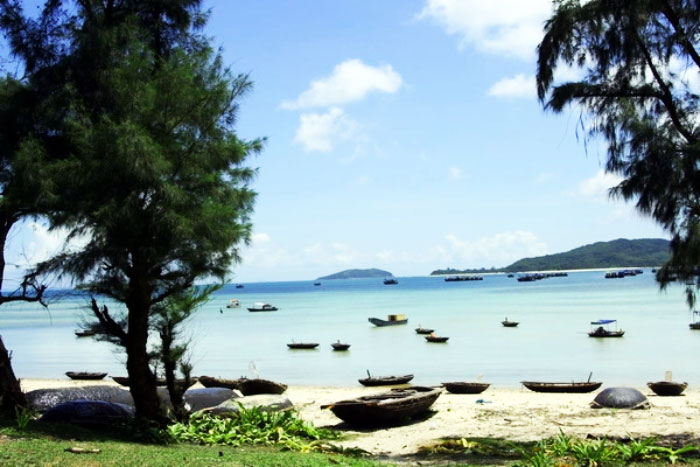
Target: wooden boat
667, 388
260, 306
85, 333
695, 325
391, 320
437, 339
389, 408
340, 346
420, 330
239, 286
384, 380
602, 329
247, 386
390, 282
86, 375
303, 345
579, 387
317, 283
509, 324
463, 387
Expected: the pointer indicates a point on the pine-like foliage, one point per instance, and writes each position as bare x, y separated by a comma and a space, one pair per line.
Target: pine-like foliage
638, 89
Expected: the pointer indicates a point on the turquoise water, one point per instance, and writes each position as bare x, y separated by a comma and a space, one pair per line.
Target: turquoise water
550, 343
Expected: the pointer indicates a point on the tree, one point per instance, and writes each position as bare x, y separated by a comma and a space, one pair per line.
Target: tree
19, 194
150, 169
639, 89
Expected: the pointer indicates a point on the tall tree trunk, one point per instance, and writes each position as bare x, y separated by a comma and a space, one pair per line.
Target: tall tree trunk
141, 379
11, 395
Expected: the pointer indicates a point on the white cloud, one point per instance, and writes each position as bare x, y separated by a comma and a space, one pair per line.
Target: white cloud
599, 184
337, 253
362, 180
499, 249
544, 177
260, 238
518, 86
454, 173
32, 242
322, 132
350, 81
510, 28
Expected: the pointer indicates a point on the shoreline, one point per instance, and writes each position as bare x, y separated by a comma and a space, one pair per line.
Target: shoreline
507, 413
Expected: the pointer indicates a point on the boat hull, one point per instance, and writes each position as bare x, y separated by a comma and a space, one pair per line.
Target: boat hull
460, 387
248, 387
83, 375
436, 339
424, 331
302, 345
383, 322
385, 380
561, 387
510, 324
386, 409
606, 334
667, 388
340, 347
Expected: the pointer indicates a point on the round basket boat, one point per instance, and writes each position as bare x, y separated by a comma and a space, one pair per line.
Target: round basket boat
463, 387
667, 388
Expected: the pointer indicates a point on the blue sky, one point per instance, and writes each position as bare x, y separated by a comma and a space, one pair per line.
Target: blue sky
404, 135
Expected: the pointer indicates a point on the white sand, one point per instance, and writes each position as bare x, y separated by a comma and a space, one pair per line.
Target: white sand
515, 414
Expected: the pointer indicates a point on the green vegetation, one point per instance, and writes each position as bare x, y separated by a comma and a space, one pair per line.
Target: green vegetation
635, 62
617, 253
357, 274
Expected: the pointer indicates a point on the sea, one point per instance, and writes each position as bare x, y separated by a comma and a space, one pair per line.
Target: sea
550, 343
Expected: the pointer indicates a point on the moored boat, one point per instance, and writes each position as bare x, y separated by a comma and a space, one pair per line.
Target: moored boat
247, 386
303, 345
390, 281
233, 303
124, 381
602, 329
577, 387
340, 346
391, 320
667, 388
85, 333
384, 380
509, 324
465, 387
385, 409
85, 375
421, 330
437, 339
261, 306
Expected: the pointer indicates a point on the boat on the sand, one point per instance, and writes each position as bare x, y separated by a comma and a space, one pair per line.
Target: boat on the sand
465, 387
577, 387
667, 388
247, 386
85, 375
384, 380
385, 409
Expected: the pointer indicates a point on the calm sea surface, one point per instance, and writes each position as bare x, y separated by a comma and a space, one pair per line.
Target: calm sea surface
550, 343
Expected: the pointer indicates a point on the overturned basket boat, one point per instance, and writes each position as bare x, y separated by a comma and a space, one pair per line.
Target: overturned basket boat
667, 388
577, 387
85, 375
248, 387
389, 408
385, 380
463, 387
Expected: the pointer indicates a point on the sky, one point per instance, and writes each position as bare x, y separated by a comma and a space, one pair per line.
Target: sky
404, 135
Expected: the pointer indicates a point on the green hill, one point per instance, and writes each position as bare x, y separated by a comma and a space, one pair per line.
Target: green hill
616, 253
357, 274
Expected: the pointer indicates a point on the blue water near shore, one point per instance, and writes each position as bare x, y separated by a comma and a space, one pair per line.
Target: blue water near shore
550, 344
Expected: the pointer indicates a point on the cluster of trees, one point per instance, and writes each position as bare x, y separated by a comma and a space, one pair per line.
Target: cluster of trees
119, 129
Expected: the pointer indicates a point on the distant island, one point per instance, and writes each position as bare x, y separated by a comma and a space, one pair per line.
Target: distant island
616, 253
357, 274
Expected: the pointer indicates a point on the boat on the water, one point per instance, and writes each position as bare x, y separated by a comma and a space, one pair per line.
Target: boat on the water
303, 345
509, 324
437, 339
391, 320
247, 386
85, 375
317, 283
261, 306
578, 387
239, 286
386, 409
85, 333
696, 323
602, 329
234, 303
421, 330
340, 346
384, 380
465, 387
667, 388
390, 281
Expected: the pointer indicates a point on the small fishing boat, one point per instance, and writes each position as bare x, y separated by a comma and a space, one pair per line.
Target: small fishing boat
247, 386
437, 339
420, 330
465, 387
261, 306
303, 345
234, 303
602, 329
85, 375
384, 380
509, 324
340, 346
85, 333
239, 286
696, 323
386, 409
667, 388
317, 283
391, 320
578, 387
390, 281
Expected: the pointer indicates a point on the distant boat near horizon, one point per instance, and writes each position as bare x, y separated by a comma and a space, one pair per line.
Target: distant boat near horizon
261, 306
602, 329
390, 281
392, 320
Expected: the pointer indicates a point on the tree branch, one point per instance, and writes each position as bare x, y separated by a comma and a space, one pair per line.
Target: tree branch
672, 18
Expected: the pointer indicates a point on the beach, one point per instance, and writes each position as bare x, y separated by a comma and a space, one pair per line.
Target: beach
507, 413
